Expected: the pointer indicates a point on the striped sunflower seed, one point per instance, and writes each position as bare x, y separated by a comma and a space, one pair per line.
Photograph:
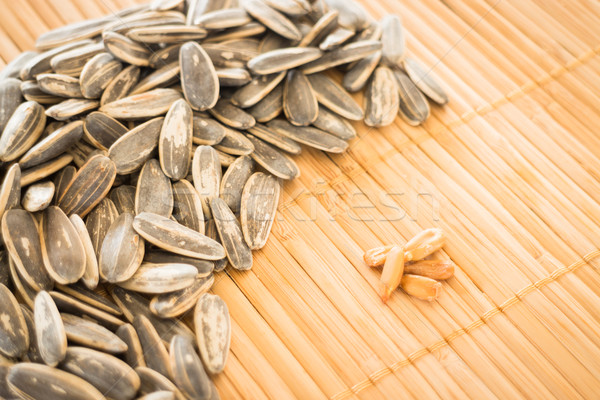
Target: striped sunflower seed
233, 77
153, 381
132, 150
71, 33
187, 206
53, 145
22, 130
258, 89
164, 57
343, 55
160, 278
44, 170
71, 108
125, 49
269, 107
414, 107
299, 101
99, 221
207, 131
323, 27
124, 198
40, 63
14, 335
393, 41
188, 372
33, 352
206, 171
14, 67
357, 77
230, 232
197, 8
336, 38
335, 125
235, 143
145, 105
122, 250
199, 79
272, 19
294, 8
154, 192
233, 182
227, 56
155, 352
273, 161
170, 305
120, 85
352, 14
91, 275
425, 81
99, 301
31, 92
274, 138
231, 115
51, 337
333, 96
71, 62
166, 34
213, 329
283, 59
10, 98
204, 267
175, 141
97, 74
260, 199
73, 306
223, 19
90, 334
102, 130
134, 355
381, 98
272, 41
38, 197
59, 85
22, 288
309, 136
162, 77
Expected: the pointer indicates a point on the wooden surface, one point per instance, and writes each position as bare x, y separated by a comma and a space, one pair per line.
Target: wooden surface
509, 169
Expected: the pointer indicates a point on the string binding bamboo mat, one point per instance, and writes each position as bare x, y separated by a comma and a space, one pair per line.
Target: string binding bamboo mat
510, 171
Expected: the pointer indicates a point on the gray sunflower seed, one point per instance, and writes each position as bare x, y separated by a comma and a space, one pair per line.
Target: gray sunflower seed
352, 14
133, 149
336, 38
164, 57
234, 180
197, 8
283, 59
126, 49
14, 335
299, 101
211, 232
44, 170
228, 56
206, 170
323, 27
124, 198
73, 306
22, 130
225, 159
155, 352
82, 152
99, 221
174, 237
71, 108
160, 278
187, 209
334, 97
134, 355
108, 374
223, 19
204, 267
37, 381
213, 327
59, 85
90, 297
120, 85
207, 131
53, 145
90, 334
14, 67
25, 291
102, 131
145, 105
230, 232
272, 19
241, 32
188, 372
199, 79
10, 191
258, 89
38, 197
122, 250
50, 331
146, 19
273, 161
275, 138
162, 77
425, 81
309, 136
260, 199
294, 8
10, 99
357, 77
170, 305
235, 143
269, 107
31, 92
33, 352
22, 241
71, 33
97, 74
231, 115
272, 41
40, 63
90, 275
153, 381
71, 62
372, 32
154, 193
175, 142
337, 126
166, 34
414, 107
89, 186
233, 77
343, 55
62, 251
381, 98
392, 40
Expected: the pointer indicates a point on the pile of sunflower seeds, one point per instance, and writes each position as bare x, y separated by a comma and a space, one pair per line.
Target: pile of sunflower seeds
115, 211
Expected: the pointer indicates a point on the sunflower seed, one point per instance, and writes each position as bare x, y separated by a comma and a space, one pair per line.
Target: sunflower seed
73, 306
283, 59
71, 108
223, 19
260, 199
414, 107
97, 74
90, 297
352, 14
187, 209
272, 19
14, 67
269, 107
337, 126
122, 250
309, 136
204, 267
343, 55
10, 99
160, 278
90, 275
235, 143
299, 101
50, 331
290, 7
211, 232
40, 63
154, 193
145, 105
233, 182
223, 55
134, 355
31, 92
99, 221
10, 191
44, 170
39, 196
230, 232
166, 34
272, 41
102, 131
25, 291
164, 57
425, 81
37, 381
275, 138
392, 40
336, 38
170, 305
233, 77
207, 131
357, 77
381, 98
175, 142
154, 350
231, 115
33, 352
188, 372
22, 241
71, 62
273, 161
213, 328
163, 5
206, 171
323, 27
90, 334
334, 97
71, 32
258, 89
59, 85
14, 335
198, 77
146, 19
126, 49
120, 85
22, 130
124, 198
108, 374
162, 77
241, 32
53, 145
136, 147
153, 381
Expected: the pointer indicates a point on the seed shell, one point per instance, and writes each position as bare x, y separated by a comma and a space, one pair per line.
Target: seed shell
206, 171
120, 85
414, 107
335, 125
98, 222
272, 19
160, 278
231, 115
69, 304
175, 141
171, 305
198, 77
392, 40
122, 250
161, 77
425, 81
133, 149
309, 136
333, 96
153, 381
155, 352
233, 182
44, 170
144, 105
188, 371
230, 232
223, 19
357, 77
126, 49
88, 296
22, 130
90, 276
258, 89
14, 335
124, 198
187, 206
53, 145
59, 85
343, 55
207, 131
235, 143
273, 161
154, 193
102, 130
381, 98
90, 334
260, 199
299, 100
50, 331
204, 267
213, 328
71, 62
71, 108
166, 34
33, 352
269, 107
283, 59
134, 356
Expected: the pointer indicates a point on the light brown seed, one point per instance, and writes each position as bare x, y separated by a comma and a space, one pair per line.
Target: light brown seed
283, 59
120, 85
97, 74
421, 287
187, 206
22, 130
392, 40
162, 77
414, 107
124, 198
376, 256
59, 85
38, 381
233, 182
272, 19
122, 250
235, 143
145, 105
73, 306
188, 372
38, 197
424, 80
424, 244
134, 355
175, 141
343, 55
206, 171
131, 151
258, 89
171, 305
260, 199
273, 161
155, 352
230, 232
357, 77
53, 145
309, 136
381, 98
71, 108
213, 329
89, 186
90, 334
71, 62
14, 335
126, 49
335, 125
299, 100
434, 269
207, 131
393, 269
44, 170
333, 96
269, 107
50, 331
160, 278
91, 297
154, 193
231, 115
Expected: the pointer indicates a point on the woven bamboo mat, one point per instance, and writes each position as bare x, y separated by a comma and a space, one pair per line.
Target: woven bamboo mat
509, 169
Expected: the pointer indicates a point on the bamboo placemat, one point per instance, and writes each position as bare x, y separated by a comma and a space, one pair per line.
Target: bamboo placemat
509, 169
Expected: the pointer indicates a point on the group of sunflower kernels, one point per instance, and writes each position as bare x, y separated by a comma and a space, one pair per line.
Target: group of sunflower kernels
408, 267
